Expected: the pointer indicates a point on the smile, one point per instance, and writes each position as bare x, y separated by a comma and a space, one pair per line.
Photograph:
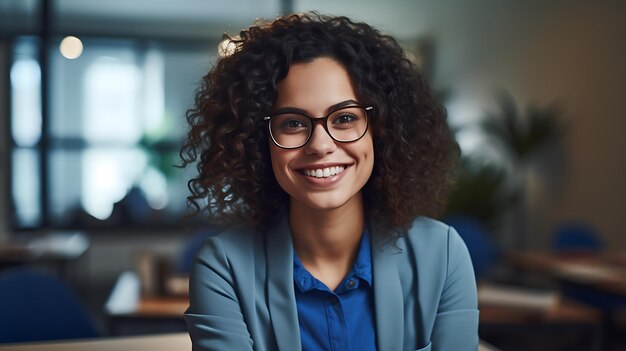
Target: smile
324, 172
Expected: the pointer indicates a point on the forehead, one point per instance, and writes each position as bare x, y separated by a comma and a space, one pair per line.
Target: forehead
314, 86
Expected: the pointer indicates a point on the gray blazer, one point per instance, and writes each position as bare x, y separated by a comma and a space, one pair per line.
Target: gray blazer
242, 292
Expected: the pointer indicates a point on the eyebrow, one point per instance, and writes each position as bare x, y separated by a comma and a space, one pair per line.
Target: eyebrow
328, 110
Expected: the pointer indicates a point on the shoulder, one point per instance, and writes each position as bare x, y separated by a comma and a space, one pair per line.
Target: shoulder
424, 227
431, 232
430, 240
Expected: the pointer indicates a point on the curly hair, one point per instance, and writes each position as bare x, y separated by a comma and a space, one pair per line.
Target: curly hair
235, 182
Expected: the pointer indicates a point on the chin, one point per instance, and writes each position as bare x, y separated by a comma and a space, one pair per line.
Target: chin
326, 202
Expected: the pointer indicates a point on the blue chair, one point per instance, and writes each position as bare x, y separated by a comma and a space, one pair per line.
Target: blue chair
35, 306
579, 238
576, 237
483, 252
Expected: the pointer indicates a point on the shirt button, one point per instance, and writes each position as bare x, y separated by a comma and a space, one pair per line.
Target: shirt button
351, 283
333, 301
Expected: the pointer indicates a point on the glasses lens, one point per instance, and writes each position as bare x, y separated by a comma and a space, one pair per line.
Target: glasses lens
347, 124
290, 129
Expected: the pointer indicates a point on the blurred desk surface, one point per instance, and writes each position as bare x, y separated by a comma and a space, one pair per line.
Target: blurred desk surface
564, 312
129, 313
152, 315
54, 247
157, 307
165, 308
604, 272
564, 325
178, 341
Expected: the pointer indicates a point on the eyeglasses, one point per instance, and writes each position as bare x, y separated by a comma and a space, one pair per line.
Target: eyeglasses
292, 128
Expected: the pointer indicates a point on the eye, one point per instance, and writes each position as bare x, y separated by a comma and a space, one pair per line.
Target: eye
345, 119
292, 124
289, 124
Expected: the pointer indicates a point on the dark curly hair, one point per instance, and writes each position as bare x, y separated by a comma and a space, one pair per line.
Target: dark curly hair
412, 143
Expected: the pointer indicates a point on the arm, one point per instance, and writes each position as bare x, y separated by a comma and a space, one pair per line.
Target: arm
456, 323
214, 318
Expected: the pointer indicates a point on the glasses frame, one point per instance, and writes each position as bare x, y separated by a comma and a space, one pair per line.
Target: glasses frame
316, 120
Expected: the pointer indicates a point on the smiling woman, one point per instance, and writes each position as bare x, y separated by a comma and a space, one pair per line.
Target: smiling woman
315, 87
320, 146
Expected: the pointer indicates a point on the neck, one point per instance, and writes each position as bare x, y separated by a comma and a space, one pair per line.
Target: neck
327, 240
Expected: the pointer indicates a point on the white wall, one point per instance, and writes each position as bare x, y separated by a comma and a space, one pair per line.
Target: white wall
572, 52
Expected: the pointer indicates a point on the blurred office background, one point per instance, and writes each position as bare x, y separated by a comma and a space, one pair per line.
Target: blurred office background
93, 97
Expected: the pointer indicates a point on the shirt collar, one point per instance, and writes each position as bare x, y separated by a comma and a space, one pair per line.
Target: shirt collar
362, 267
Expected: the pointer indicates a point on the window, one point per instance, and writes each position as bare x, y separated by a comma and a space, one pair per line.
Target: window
25, 82
115, 123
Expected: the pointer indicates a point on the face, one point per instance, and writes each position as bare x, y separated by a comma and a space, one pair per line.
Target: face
323, 174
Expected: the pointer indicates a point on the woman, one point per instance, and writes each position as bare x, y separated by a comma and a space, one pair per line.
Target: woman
320, 145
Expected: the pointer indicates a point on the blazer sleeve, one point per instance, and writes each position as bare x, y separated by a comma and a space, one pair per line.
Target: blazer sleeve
456, 322
214, 318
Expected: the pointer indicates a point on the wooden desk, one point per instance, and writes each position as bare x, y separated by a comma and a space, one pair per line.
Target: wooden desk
598, 280
151, 315
178, 341
564, 312
162, 307
129, 313
59, 250
173, 308
53, 247
564, 326
601, 272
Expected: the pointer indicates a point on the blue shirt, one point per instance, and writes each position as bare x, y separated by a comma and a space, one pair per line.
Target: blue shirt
342, 319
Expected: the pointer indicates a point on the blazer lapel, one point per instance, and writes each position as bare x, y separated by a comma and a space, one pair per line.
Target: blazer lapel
280, 290
388, 298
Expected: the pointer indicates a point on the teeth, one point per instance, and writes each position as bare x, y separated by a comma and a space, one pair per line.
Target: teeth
325, 172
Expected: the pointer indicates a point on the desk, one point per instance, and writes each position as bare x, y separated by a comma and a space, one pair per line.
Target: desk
563, 326
151, 315
595, 279
565, 312
57, 246
54, 249
167, 309
178, 341
129, 313
601, 272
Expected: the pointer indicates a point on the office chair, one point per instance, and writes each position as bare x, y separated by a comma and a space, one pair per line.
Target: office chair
576, 236
35, 306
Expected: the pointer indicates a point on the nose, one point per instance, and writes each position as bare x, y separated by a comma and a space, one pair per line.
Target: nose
320, 142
